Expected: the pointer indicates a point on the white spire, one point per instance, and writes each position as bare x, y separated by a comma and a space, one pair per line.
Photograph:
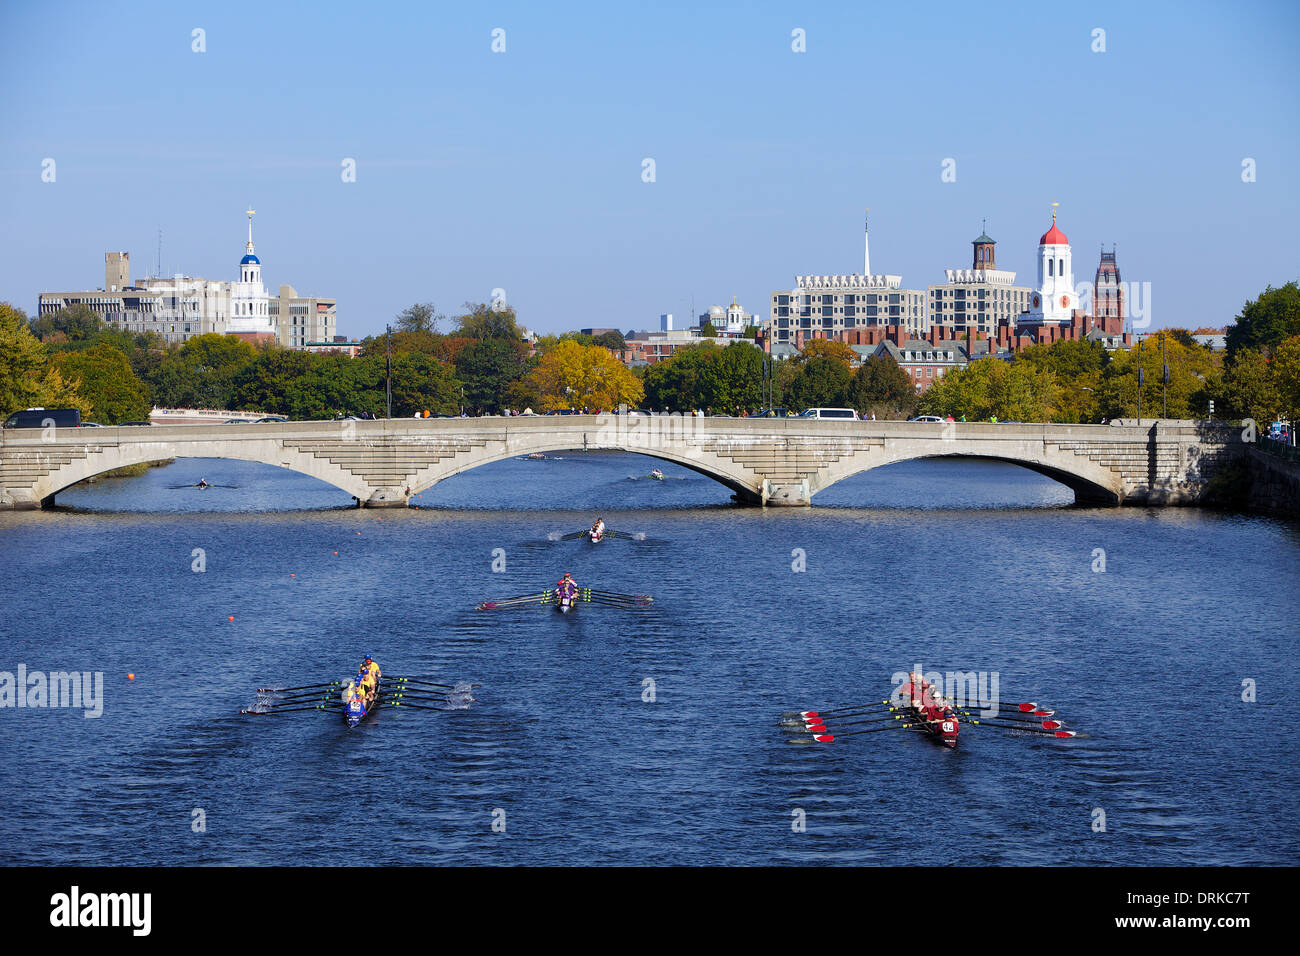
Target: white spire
251, 213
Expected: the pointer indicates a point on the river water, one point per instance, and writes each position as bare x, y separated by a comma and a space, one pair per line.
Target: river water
646, 737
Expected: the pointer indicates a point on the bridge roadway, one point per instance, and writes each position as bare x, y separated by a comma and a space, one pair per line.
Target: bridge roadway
764, 461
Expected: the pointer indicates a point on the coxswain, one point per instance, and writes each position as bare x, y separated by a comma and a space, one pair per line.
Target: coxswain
598, 529
566, 586
203, 483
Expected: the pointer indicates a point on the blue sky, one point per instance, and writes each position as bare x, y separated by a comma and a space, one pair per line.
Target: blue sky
522, 170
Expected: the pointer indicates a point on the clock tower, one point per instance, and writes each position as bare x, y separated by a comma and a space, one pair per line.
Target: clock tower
1054, 299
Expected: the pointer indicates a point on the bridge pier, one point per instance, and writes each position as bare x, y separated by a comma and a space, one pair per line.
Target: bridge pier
386, 498
786, 493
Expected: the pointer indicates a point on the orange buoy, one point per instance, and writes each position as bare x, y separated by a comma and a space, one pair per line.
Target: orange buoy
130, 677
292, 575
336, 552
231, 618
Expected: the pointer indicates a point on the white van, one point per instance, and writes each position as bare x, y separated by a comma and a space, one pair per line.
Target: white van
841, 414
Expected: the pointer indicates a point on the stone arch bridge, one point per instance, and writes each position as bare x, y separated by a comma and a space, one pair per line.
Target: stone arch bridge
764, 461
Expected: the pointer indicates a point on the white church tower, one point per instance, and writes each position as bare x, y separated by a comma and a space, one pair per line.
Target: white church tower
249, 313
1054, 299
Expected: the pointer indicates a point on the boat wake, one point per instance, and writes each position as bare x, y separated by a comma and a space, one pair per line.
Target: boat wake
460, 697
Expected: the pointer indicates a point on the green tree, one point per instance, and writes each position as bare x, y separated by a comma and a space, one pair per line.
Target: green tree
1264, 322
1188, 390
1286, 376
486, 368
74, 323
1247, 389
421, 318
264, 383
332, 385
1077, 365
423, 383
201, 373
707, 376
484, 322
107, 382
992, 388
822, 381
613, 341
882, 388
27, 377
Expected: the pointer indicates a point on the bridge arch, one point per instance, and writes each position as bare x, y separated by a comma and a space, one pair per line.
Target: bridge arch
263, 452
721, 470
1090, 482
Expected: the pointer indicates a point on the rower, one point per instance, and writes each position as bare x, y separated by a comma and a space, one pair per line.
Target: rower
566, 586
203, 483
598, 528
369, 675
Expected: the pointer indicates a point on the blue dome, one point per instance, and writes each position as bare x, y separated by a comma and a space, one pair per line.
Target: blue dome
250, 258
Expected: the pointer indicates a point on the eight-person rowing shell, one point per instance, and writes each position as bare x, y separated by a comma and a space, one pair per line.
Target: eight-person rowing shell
598, 532
920, 705
931, 708
359, 695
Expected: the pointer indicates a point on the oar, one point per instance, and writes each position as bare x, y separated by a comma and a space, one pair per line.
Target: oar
541, 597
282, 690
286, 710
572, 535
818, 727
293, 701
817, 719
844, 718
1013, 710
402, 703
615, 596
402, 695
1028, 730
1045, 724
835, 715
830, 738
429, 683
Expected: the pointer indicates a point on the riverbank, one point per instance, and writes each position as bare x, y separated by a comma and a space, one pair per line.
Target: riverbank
128, 471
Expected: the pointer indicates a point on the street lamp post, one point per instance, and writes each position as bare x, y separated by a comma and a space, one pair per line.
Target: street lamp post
388, 387
1141, 378
1164, 376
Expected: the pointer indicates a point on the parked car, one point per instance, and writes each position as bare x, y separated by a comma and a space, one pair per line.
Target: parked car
137, 423
775, 413
270, 420
91, 425
926, 418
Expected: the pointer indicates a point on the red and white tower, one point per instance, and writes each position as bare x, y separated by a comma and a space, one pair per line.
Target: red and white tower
1054, 299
